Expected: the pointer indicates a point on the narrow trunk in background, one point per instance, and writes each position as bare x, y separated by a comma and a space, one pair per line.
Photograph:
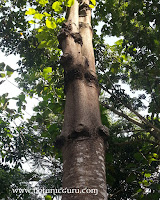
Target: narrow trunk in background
83, 135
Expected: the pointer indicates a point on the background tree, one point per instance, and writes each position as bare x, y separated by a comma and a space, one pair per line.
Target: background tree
133, 157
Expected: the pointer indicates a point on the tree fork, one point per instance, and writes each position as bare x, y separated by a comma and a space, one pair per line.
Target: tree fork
83, 138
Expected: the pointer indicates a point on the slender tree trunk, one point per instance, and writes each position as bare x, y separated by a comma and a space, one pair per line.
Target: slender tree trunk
83, 135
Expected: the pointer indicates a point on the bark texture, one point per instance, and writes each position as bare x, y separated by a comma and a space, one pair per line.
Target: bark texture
83, 135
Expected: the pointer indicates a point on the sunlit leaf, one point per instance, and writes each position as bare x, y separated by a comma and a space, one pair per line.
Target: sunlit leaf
30, 11
91, 6
42, 2
155, 155
147, 175
60, 20
40, 30
56, 6
47, 70
69, 3
93, 2
145, 182
32, 22
46, 14
38, 16
50, 24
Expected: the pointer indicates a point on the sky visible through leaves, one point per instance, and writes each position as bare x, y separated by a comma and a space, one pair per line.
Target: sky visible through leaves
10, 85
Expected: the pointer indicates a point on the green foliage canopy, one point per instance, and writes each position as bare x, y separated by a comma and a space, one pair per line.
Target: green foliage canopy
30, 29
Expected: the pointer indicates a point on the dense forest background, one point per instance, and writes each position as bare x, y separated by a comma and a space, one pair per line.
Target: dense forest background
30, 29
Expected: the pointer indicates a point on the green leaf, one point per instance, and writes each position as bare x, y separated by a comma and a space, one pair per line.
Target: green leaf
44, 134
41, 36
2, 82
138, 156
2, 75
2, 65
131, 178
111, 180
69, 3
47, 70
48, 197
8, 68
109, 158
50, 24
56, 6
152, 160
147, 175
42, 2
155, 155
119, 42
42, 44
93, 2
38, 16
145, 183
22, 97
112, 70
30, 11
53, 128
9, 73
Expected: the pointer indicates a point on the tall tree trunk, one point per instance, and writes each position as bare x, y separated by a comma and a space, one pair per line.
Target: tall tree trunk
83, 135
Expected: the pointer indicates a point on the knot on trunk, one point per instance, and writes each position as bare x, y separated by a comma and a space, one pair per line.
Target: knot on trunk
83, 9
92, 78
67, 26
66, 59
62, 36
77, 38
71, 75
80, 131
83, 25
66, 31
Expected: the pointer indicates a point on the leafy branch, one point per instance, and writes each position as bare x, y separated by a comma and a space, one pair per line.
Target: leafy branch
146, 124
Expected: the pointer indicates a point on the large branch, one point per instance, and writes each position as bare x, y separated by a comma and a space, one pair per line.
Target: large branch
155, 132
144, 126
122, 114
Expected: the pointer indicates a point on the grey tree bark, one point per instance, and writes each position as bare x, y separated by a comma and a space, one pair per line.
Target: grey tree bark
83, 136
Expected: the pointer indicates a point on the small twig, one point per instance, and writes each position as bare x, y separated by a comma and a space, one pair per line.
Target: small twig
122, 114
20, 89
